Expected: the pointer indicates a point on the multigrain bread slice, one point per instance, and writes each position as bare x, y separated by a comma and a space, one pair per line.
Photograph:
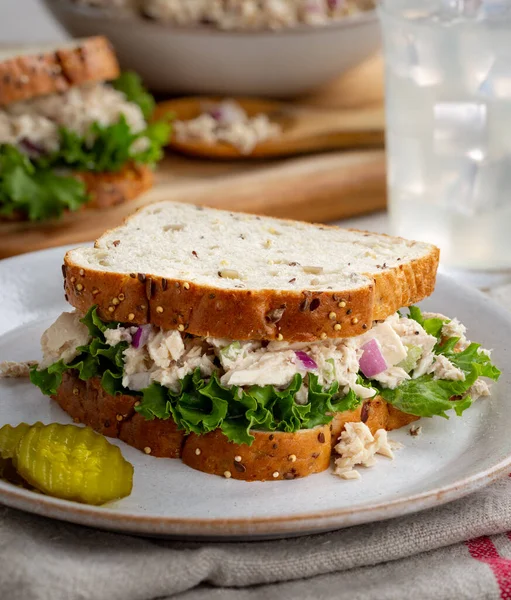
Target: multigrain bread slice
238, 276
115, 416
29, 72
272, 455
110, 189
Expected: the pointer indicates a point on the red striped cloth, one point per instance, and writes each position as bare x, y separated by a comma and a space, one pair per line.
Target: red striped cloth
484, 550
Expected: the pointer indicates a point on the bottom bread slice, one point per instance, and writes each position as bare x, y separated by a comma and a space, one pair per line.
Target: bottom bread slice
110, 189
272, 455
115, 416
107, 189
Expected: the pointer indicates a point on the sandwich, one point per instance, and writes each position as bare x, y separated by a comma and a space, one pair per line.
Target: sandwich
255, 348
74, 131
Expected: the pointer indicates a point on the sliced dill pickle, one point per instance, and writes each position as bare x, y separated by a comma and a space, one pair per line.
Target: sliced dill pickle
10, 437
9, 473
73, 463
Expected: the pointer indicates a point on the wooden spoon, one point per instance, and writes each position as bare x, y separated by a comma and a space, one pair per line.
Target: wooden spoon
304, 129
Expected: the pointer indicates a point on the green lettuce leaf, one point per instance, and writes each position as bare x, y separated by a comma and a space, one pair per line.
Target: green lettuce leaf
432, 326
472, 358
95, 325
96, 359
200, 406
427, 397
130, 84
155, 403
107, 148
49, 380
37, 192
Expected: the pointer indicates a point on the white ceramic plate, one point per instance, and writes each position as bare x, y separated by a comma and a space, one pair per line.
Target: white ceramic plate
205, 60
450, 459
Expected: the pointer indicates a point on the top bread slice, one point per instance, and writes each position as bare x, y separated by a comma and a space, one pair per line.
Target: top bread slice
29, 72
232, 275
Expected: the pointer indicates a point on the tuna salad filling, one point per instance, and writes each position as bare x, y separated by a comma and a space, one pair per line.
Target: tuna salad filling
227, 122
239, 14
97, 128
33, 126
421, 363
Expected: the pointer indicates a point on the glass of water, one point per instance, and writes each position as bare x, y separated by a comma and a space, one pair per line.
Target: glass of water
448, 107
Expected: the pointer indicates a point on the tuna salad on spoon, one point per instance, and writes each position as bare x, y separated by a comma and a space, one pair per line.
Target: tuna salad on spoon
250, 356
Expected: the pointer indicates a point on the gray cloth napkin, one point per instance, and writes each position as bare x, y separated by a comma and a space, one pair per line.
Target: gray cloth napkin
459, 551
419, 556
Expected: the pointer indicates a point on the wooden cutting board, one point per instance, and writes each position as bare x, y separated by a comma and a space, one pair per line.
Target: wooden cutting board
323, 187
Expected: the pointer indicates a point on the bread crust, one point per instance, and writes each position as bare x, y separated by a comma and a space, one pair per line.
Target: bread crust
238, 314
31, 75
111, 189
272, 456
115, 416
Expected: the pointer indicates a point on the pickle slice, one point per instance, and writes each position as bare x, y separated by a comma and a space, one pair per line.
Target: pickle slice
73, 463
9, 473
10, 437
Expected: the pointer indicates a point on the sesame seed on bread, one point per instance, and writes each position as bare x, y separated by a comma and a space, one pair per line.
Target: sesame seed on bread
239, 276
28, 72
271, 456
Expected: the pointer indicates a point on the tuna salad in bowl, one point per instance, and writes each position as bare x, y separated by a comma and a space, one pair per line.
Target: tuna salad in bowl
237, 14
225, 47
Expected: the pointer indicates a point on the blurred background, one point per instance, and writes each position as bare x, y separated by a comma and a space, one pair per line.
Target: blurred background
26, 22
313, 152
278, 108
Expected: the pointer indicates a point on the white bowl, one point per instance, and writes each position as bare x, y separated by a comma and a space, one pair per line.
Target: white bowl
204, 60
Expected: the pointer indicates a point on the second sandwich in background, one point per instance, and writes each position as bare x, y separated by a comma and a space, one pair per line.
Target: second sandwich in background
68, 138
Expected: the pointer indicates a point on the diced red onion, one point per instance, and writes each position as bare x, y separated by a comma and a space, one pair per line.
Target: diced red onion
372, 362
306, 360
216, 113
313, 6
31, 148
226, 113
141, 336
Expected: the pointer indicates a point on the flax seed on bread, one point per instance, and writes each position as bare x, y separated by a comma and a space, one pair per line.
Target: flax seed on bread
238, 276
29, 72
